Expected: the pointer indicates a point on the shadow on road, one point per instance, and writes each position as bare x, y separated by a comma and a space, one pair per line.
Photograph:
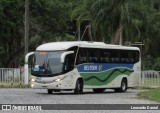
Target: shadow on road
84, 93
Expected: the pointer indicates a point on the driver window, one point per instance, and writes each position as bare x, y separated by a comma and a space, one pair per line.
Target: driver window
69, 63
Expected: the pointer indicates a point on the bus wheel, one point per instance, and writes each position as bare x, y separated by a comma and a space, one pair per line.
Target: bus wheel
123, 87
79, 87
49, 91
98, 90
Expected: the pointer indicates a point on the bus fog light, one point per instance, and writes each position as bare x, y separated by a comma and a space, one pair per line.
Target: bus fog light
32, 85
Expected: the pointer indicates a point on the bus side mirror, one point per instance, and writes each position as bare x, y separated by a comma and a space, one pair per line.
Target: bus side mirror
64, 55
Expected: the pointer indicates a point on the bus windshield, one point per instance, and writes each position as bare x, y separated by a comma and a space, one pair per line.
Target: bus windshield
47, 63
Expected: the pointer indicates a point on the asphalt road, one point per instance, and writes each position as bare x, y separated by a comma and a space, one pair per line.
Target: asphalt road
40, 96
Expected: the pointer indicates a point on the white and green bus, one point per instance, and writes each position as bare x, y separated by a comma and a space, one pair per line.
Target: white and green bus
82, 65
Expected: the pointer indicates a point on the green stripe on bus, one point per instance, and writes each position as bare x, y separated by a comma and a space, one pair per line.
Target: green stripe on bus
103, 78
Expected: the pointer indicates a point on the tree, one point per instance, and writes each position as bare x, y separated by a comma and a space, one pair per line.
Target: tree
81, 13
48, 22
11, 27
117, 19
49, 19
109, 21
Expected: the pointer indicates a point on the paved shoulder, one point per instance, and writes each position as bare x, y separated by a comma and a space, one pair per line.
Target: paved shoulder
40, 96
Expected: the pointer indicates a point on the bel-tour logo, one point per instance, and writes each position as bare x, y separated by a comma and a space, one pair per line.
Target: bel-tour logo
93, 67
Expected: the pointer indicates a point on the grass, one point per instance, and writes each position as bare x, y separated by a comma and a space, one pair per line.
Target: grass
152, 94
13, 85
16, 83
152, 81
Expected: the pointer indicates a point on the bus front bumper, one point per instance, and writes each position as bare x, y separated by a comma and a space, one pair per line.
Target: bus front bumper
54, 85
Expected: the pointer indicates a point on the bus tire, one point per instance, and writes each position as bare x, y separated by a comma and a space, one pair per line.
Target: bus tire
98, 90
123, 87
49, 91
79, 87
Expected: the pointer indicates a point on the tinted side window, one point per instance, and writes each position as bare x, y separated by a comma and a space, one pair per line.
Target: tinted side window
93, 55
129, 56
69, 63
115, 57
82, 56
104, 56
124, 58
86, 55
136, 56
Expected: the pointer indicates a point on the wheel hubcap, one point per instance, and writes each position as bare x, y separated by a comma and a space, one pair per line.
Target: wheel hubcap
78, 87
123, 86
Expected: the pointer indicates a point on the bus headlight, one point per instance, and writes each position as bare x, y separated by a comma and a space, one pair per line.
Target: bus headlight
33, 80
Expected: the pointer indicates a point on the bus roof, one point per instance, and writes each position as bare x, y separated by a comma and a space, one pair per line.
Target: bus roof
54, 46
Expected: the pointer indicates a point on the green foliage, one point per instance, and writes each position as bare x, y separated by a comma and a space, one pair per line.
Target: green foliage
110, 21
11, 27
156, 65
48, 22
152, 63
124, 20
152, 94
49, 19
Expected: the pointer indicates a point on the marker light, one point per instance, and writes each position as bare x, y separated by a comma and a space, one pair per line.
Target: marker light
57, 80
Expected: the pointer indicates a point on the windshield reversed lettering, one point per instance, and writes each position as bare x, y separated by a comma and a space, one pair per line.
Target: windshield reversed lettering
90, 67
